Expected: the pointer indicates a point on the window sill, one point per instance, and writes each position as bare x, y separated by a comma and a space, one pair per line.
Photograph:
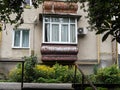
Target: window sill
59, 43
27, 7
21, 48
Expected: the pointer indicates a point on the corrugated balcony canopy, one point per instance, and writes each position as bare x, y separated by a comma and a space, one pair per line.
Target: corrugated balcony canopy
52, 6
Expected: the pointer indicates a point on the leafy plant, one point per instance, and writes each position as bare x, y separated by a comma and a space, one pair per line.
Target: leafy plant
15, 75
57, 72
98, 88
35, 72
29, 65
108, 75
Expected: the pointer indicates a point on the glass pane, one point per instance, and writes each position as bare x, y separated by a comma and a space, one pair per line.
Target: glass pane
64, 33
25, 38
55, 20
72, 33
27, 2
55, 32
47, 32
17, 38
47, 19
65, 20
72, 20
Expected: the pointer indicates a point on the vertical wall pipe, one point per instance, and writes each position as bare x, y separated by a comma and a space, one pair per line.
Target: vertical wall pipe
98, 48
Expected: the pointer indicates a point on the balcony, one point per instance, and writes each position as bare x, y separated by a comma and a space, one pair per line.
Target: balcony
59, 52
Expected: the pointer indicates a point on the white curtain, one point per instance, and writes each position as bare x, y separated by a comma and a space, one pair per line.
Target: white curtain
55, 32
72, 33
25, 38
17, 38
64, 33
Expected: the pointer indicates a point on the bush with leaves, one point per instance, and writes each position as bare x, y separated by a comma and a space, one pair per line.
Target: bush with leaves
34, 72
108, 75
15, 74
56, 73
98, 88
29, 65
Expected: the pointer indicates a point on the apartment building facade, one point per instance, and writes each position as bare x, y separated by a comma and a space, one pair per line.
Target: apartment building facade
57, 31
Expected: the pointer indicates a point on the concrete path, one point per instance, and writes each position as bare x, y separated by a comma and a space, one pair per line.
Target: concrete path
17, 86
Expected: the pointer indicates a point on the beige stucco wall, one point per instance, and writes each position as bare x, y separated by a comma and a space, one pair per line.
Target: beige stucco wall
91, 47
30, 15
87, 44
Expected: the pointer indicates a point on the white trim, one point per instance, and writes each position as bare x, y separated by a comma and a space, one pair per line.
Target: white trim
76, 31
30, 3
13, 38
60, 25
20, 46
43, 33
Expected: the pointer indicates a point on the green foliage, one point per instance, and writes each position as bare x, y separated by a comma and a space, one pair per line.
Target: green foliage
117, 89
95, 69
108, 75
42, 73
29, 65
104, 17
15, 75
98, 88
45, 80
8, 7
57, 72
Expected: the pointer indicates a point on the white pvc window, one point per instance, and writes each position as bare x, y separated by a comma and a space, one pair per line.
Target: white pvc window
28, 2
21, 38
60, 30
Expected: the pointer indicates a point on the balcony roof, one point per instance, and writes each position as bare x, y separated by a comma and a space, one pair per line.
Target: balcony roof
41, 15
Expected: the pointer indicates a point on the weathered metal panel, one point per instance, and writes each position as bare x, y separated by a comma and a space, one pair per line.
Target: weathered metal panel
59, 7
59, 49
59, 52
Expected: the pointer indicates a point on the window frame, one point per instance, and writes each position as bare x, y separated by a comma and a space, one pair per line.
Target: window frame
21, 36
60, 24
29, 5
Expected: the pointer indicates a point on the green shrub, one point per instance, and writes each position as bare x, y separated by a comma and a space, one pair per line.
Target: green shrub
98, 88
42, 73
117, 89
56, 72
15, 75
29, 65
108, 75
45, 80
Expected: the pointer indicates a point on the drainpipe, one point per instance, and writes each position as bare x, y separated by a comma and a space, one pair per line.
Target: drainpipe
98, 49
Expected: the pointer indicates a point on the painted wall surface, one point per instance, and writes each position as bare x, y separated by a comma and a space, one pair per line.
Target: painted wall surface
118, 48
35, 36
0, 37
89, 45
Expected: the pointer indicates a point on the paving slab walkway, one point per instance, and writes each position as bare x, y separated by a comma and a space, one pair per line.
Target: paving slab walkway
17, 86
